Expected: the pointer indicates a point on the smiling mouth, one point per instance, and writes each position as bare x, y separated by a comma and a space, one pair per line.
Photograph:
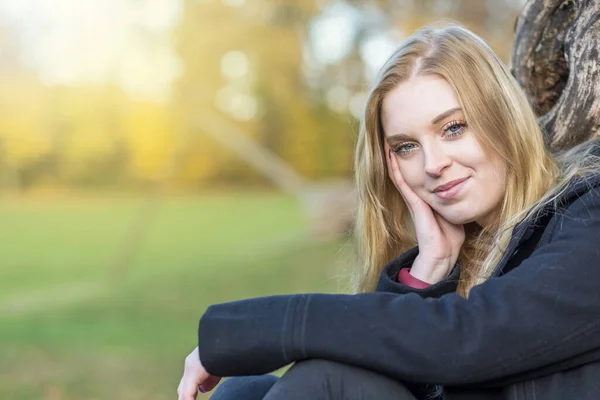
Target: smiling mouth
450, 189
449, 185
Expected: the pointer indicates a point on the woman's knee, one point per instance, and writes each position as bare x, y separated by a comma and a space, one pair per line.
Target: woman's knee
323, 379
244, 387
317, 369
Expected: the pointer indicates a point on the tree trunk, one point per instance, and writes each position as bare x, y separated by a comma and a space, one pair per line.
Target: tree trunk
555, 59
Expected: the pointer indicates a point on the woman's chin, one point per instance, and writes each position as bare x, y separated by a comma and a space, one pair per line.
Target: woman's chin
457, 219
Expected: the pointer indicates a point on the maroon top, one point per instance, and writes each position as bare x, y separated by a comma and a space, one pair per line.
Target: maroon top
406, 278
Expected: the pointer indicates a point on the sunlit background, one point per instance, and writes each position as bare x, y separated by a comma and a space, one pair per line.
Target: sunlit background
157, 156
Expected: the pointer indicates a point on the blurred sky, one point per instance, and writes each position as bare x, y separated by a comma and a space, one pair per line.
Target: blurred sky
81, 41
129, 42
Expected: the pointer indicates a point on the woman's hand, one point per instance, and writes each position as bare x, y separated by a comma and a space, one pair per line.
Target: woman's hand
439, 241
195, 378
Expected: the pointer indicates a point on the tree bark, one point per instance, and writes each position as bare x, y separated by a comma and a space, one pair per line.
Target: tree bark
555, 59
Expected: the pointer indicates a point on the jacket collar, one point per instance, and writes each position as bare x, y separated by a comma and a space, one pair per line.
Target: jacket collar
525, 229
578, 186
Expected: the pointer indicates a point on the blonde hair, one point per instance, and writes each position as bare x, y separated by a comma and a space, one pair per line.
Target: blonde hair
496, 108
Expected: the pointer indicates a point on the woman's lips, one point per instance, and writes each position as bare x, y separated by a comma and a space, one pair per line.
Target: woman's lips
451, 189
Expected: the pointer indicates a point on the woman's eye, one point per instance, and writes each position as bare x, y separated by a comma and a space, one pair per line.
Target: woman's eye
404, 148
454, 128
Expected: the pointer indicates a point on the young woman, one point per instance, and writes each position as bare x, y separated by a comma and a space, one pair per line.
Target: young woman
495, 294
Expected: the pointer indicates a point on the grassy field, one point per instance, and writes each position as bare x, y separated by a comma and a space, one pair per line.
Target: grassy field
76, 325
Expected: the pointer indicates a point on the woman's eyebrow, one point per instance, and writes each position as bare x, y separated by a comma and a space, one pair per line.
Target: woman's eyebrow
398, 137
445, 114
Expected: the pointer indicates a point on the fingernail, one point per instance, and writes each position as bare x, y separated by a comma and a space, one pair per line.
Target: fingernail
201, 390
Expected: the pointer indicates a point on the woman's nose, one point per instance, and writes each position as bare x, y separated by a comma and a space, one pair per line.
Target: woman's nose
436, 160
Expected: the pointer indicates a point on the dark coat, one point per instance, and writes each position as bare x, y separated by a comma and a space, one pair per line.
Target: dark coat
532, 331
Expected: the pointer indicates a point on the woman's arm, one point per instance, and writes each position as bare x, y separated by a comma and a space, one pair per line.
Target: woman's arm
544, 312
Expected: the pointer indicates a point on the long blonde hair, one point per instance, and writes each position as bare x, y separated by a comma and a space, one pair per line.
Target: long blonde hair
496, 108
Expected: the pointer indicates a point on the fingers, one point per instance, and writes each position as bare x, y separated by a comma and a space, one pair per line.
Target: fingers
394, 171
188, 388
395, 175
194, 375
186, 391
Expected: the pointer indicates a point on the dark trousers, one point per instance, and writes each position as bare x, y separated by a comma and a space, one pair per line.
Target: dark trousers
315, 380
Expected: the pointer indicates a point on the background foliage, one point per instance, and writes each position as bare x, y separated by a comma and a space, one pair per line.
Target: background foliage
130, 196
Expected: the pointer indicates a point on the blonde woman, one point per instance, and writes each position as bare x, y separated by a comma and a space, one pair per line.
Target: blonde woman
481, 275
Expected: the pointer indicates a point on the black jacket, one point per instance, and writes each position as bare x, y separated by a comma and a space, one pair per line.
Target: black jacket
531, 331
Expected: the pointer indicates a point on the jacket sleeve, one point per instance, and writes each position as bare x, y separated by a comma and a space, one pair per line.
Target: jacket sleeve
388, 281
545, 311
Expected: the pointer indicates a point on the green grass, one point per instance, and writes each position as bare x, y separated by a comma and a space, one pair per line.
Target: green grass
76, 324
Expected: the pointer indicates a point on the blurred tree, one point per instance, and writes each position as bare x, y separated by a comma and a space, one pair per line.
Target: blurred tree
244, 62
254, 65
88, 130
150, 139
394, 20
24, 141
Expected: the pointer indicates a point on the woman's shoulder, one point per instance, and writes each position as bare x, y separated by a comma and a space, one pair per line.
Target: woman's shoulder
588, 184
578, 203
580, 198
582, 164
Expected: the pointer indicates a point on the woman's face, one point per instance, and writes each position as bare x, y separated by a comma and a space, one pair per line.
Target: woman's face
438, 154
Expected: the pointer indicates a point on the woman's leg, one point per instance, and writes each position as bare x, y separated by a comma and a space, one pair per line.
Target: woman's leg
317, 379
244, 387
